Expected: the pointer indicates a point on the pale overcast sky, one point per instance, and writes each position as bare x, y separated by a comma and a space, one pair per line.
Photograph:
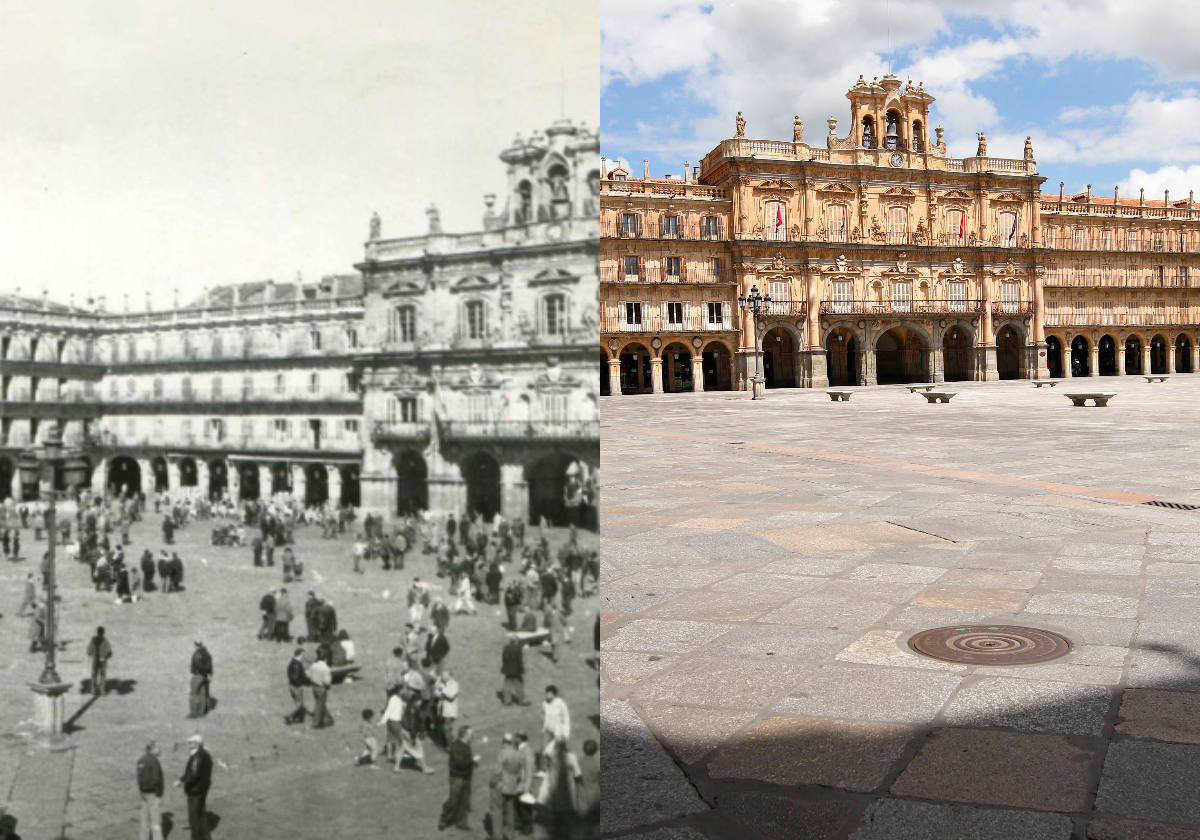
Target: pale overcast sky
149, 144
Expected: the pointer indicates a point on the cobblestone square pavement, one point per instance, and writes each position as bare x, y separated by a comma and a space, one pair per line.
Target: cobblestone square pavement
765, 563
276, 781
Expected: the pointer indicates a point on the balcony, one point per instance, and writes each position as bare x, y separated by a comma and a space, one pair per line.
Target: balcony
520, 430
891, 308
782, 308
1012, 307
654, 273
400, 432
693, 322
689, 229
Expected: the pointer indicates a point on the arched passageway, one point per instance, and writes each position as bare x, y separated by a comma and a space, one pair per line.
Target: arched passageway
248, 489
162, 476
1107, 362
1054, 360
1133, 355
281, 478
635, 370
677, 368
124, 476
1183, 354
956, 354
779, 358
1008, 353
717, 363
188, 474
218, 479
482, 475
605, 390
316, 484
351, 493
901, 355
7, 470
555, 489
1158, 355
1080, 363
841, 350
412, 482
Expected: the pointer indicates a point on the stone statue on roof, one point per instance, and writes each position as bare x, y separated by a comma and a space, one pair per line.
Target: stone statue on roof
797, 129
982, 150
376, 226
1028, 148
741, 125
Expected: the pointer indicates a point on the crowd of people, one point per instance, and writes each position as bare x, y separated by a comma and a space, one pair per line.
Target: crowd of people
536, 782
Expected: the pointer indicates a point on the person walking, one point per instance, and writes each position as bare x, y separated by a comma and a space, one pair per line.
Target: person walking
196, 781
511, 770
283, 616
321, 678
29, 597
150, 785
202, 669
512, 666
446, 691
266, 606
457, 806
297, 678
99, 651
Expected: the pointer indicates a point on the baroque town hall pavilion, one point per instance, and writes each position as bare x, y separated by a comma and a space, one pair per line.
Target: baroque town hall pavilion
886, 261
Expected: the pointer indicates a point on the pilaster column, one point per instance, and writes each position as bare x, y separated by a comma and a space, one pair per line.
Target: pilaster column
1068, 368
1171, 355
614, 377
1195, 355
1121, 359
173, 476
334, 472
202, 478
656, 379
147, 471
514, 492
97, 481
233, 480
697, 372
937, 366
1094, 368
299, 482
265, 489
865, 365
1145, 357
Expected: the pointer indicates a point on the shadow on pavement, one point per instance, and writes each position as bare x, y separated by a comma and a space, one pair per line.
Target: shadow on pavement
986, 762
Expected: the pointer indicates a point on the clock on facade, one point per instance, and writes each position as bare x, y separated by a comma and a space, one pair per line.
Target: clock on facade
897, 159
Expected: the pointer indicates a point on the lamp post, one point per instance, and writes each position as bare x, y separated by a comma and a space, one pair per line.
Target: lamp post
42, 466
755, 303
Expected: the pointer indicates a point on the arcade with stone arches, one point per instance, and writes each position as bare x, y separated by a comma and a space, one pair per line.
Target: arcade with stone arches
1109, 351
12, 488
314, 482
671, 364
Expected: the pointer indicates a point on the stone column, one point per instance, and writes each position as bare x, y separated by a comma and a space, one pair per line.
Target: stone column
202, 478
697, 372
1145, 358
265, 490
1195, 355
988, 371
146, 468
334, 471
299, 482
865, 365
233, 479
1094, 368
1171, 355
1068, 370
656, 376
514, 492
1121, 359
97, 480
614, 377
937, 365
173, 476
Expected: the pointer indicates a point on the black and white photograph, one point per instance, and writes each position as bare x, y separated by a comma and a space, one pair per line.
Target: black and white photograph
299, 430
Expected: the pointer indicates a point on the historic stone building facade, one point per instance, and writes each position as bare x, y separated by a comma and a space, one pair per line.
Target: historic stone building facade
885, 261
453, 373
478, 391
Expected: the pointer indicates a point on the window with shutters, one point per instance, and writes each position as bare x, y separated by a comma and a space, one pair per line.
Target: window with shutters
710, 227
958, 296
675, 313
1106, 239
775, 222
350, 428
279, 384
674, 268
897, 225
781, 293
478, 408
247, 428
633, 315
1157, 240
1159, 275
1010, 296
716, 268
314, 383
1106, 313
1080, 312
402, 324
836, 222
843, 293
629, 267
670, 225
1183, 275
554, 314
281, 430
956, 227
352, 338
217, 348
902, 296
554, 408
629, 224
1006, 228
716, 313
474, 315
1080, 238
1051, 237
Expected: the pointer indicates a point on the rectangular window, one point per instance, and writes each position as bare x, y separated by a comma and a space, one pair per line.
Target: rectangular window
902, 296
247, 429
1080, 238
1106, 239
1158, 240
1010, 296
836, 220
958, 297
402, 325
352, 338
478, 408
1106, 313
956, 227
216, 388
775, 222
1051, 237
350, 427
1006, 223
629, 224
1159, 274
554, 408
1183, 275
781, 293
674, 267
716, 268
314, 383
675, 313
279, 384
281, 430
716, 313
842, 295
555, 314
247, 386
670, 225
407, 407
709, 227
476, 325
633, 314
630, 268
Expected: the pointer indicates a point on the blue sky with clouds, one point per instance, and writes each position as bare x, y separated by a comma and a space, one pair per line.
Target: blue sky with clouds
1109, 90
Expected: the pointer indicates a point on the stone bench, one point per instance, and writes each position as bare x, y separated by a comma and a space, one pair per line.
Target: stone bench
839, 396
912, 389
1158, 377
937, 396
1100, 400
1038, 383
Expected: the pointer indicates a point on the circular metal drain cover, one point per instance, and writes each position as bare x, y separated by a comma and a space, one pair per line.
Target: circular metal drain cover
990, 644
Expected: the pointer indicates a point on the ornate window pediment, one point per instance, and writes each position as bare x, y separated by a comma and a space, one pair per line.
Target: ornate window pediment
405, 287
899, 193
842, 266
1007, 196
836, 188
775, 183
474, 284
961, 195
553, 276
1009, 269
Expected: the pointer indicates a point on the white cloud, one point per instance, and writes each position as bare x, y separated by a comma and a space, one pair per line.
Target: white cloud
1174, 178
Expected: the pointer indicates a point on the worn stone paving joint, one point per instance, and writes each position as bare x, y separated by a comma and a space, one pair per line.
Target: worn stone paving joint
983, 644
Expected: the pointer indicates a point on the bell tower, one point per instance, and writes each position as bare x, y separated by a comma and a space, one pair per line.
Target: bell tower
887, 114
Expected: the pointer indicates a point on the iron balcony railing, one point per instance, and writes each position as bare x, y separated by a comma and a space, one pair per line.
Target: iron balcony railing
523, 430
400, 432
901, 307
652, 320
657, 273
670, 227
1012, 307
781, 307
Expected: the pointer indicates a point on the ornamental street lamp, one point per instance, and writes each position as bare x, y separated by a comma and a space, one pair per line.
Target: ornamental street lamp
42, 466
755, 303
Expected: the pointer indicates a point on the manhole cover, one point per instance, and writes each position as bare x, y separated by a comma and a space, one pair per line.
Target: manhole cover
990, 644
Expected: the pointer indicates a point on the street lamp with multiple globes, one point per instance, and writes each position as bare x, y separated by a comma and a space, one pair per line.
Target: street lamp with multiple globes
755, 303
42, 466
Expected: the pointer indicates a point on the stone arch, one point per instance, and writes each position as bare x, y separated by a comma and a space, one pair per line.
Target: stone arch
911, 326
1106, 362
1158, 354
902, 354
551, 491
677, 367
1183, 353
248, 485
717, 364
316, 484
781, 355
843, 348
1133, 354
635, 368
412, 482
1081, 363
1054, 356
162, 476
218, 479
124, 476
481, 472
1010, 341
958, 339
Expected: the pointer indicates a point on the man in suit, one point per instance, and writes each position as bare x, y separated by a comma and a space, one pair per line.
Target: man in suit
196, 780
437, 646
297, 678
512, 784
457, 806
202, 668
512, 666
528, 775
150, 785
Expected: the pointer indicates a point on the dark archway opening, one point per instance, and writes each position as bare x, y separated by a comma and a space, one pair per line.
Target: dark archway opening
779, 359
555, 489
188, 474
605, 383
1133, 355
1107, 363
482, 475
1054, 365
218, 480
316, 485
412, 483
677, 368
7, 470
1158, 355
956, 354
124, 476
351, 492
901, 356
717, 364
1008, 353
842, 358
635, 370
1183, 355
162, 476
1080, 363
248, 489
281, 479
